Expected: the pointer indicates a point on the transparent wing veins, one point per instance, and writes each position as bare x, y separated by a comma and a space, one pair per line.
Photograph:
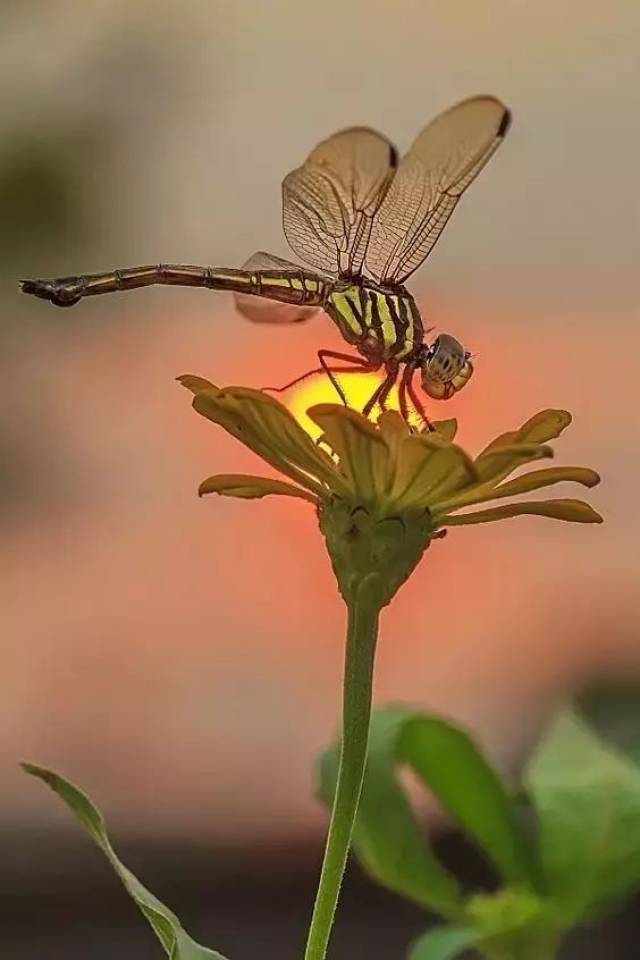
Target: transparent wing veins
443, 161
330, 201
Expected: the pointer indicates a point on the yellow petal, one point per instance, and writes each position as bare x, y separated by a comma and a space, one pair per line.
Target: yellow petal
267, 428
575, 511
542, 427
363, 455
240, 485
446, 429
195, 384
395, 432
429, 467
494, 465
534, 480
393, 429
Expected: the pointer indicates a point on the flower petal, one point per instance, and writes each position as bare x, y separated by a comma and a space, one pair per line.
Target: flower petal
429, 466
241, 485
363, 455
494, 465
195, 384
576, 511
446, 429
393, 429
534, 480
271, 431
542, 427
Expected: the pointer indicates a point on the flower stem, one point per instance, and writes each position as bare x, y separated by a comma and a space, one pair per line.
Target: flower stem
362, 633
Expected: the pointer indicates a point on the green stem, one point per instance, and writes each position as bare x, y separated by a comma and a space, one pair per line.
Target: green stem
362, 634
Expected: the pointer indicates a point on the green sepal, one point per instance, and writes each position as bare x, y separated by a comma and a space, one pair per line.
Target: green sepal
177, 943
361, 543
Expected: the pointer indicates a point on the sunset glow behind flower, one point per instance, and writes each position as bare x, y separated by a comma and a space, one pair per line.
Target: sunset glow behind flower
358, 387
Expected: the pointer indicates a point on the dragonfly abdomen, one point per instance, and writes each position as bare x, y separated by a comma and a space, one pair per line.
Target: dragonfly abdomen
382, 324
287, 286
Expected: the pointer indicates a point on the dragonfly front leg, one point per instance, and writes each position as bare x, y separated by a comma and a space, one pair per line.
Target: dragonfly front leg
382, 391
406, 386
359, 366
356, 365
305, 376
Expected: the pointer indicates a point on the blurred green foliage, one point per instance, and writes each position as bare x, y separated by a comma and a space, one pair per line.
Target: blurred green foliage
45, 196
581, 857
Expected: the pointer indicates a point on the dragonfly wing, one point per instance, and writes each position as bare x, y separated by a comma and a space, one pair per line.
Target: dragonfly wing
260, 310
328, 203
444, 159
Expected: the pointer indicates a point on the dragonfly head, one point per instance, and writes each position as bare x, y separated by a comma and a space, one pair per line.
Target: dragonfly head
446, 367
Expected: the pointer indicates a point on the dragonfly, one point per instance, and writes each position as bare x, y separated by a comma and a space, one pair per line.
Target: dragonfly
364, 221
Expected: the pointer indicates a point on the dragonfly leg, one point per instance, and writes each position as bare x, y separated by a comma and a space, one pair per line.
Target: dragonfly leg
381, 392
358, 365
363, 367
292, 383
417, 403
402, 398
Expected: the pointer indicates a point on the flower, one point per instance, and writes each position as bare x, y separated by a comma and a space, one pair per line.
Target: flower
384, 490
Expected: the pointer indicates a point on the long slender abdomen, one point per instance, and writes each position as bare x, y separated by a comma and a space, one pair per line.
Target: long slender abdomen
285, 286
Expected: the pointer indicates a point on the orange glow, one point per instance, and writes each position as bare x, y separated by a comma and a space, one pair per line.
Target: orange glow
358, 387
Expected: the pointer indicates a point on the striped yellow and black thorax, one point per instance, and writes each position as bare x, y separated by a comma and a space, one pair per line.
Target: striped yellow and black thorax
382, 322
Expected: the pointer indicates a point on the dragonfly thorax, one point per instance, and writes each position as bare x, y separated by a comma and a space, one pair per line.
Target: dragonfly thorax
382, 322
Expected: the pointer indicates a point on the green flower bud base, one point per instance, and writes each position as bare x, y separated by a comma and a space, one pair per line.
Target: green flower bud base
362, 542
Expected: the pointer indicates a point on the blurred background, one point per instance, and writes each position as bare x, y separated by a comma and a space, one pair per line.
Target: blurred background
181, 658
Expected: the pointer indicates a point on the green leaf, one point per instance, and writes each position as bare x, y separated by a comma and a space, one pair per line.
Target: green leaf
387, 839
443, 943
450, 764
587, 797
177, 944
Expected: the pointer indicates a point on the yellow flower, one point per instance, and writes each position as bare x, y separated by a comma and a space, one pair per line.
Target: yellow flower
405, 485
387, 467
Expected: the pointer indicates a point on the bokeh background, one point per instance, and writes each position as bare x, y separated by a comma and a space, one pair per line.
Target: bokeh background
182, 658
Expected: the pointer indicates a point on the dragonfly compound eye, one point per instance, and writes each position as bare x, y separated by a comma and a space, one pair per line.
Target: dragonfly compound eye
443, 364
